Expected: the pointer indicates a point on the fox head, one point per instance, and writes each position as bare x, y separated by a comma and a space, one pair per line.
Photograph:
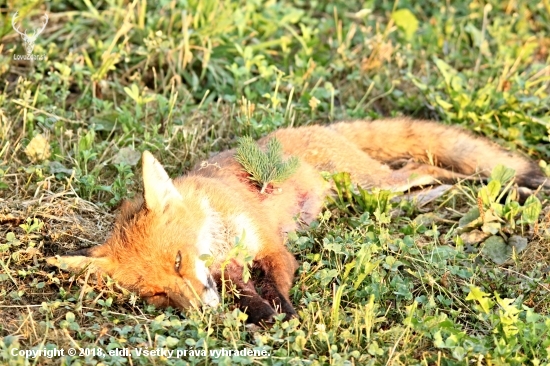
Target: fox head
156, 246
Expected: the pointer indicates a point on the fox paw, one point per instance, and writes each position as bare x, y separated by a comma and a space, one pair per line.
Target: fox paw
261, 315
291, 316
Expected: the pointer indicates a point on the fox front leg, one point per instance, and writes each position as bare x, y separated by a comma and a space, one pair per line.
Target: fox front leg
278, 275
258, 310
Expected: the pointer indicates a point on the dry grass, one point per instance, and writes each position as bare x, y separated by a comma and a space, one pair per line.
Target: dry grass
184, 82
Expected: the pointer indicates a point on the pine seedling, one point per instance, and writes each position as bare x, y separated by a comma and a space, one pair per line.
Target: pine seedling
267, 167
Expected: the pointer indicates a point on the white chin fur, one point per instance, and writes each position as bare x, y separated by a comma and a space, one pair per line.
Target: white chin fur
211, 298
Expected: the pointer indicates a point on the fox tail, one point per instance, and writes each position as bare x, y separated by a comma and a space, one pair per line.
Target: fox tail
450, 147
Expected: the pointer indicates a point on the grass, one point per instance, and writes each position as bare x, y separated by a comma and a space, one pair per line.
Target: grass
378, 284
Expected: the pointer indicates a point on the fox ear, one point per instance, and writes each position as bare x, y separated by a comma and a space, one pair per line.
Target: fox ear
80, 259
157, 185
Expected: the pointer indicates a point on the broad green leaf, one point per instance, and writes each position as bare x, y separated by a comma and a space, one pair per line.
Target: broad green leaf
531, 210
519, 243
482, 298
444, 104
502, 174
375, 350
451, 76
490, 192
496, 249
171, 342
406, 20
133, 92
70, 316
364, 273
438, 340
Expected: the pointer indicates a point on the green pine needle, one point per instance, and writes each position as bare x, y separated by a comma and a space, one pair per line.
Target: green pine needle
266, 167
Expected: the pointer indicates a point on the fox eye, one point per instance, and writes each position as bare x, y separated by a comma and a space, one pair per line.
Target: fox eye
178, 262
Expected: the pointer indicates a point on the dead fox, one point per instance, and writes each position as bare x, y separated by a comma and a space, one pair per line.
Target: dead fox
161, 242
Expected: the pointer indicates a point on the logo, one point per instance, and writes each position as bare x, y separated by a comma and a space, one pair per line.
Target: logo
28, 39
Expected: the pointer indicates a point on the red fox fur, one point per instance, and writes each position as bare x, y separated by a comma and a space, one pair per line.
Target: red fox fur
159, 244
